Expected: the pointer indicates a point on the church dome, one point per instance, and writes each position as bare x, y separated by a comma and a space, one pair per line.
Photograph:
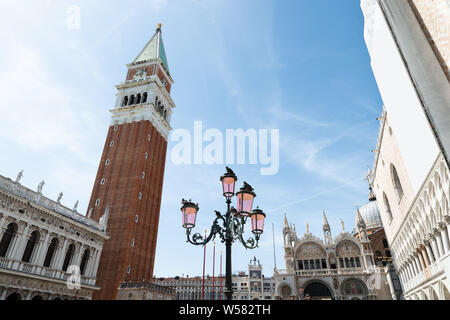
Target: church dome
371, 215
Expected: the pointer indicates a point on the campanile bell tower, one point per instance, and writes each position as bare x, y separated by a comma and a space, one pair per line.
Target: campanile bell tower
128, 187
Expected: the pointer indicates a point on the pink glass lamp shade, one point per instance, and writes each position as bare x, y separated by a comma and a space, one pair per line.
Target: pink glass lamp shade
245, 202
189, 214
228, 183
257, 217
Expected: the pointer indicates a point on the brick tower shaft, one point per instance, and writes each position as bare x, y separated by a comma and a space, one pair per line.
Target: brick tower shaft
128, 187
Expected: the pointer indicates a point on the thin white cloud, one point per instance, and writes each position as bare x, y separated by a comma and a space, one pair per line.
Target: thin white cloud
37, 112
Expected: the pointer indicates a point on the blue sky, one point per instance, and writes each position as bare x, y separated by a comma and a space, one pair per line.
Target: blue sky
298, 66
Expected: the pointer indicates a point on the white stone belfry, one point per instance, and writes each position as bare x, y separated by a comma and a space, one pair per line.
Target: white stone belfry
145, 94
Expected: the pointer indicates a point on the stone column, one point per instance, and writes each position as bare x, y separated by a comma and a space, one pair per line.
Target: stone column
61, 255
18, 251
435, 248
411, 273
42, 250
78, 255
391, 285
444, 236
90, 267
2, 222
440, 245
411, 266
447, 223
421, 259
14, 241
426, 258
3, 295
95, 264
402, 277
418, 265
431, 256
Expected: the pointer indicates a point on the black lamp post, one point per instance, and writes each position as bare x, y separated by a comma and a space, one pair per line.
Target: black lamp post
232, 223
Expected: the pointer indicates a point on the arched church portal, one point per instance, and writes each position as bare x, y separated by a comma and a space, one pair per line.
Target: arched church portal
285, 292
318, 291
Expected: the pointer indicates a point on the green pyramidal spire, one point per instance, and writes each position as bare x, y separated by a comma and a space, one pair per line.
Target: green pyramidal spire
154, 49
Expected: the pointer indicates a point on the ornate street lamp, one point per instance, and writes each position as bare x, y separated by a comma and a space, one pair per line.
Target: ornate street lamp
257, 217
228, 182
189, 211
245, 198
231, 225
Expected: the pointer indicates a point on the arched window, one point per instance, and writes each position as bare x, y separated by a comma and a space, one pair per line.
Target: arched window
385, 244
165, 114
29, 248
396, 181
387, 206
144, 97
131, 100
68, 257
84, 261
13, 297
352, 262
306, 263
125, 101
7, 238
50, 252
354, 287
138, 98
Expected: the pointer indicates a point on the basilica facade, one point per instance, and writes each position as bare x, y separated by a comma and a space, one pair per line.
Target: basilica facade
340, 268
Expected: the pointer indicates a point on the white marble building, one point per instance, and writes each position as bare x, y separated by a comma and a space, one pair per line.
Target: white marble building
340, 268
410, 176
246, 286
44, 245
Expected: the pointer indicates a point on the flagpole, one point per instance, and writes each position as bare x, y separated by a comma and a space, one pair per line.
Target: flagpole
203, 281
214, 260
274, 256
220, 276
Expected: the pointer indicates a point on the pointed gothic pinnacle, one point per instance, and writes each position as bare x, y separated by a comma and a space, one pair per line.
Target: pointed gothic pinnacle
360, 219
326, 225
325, 220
